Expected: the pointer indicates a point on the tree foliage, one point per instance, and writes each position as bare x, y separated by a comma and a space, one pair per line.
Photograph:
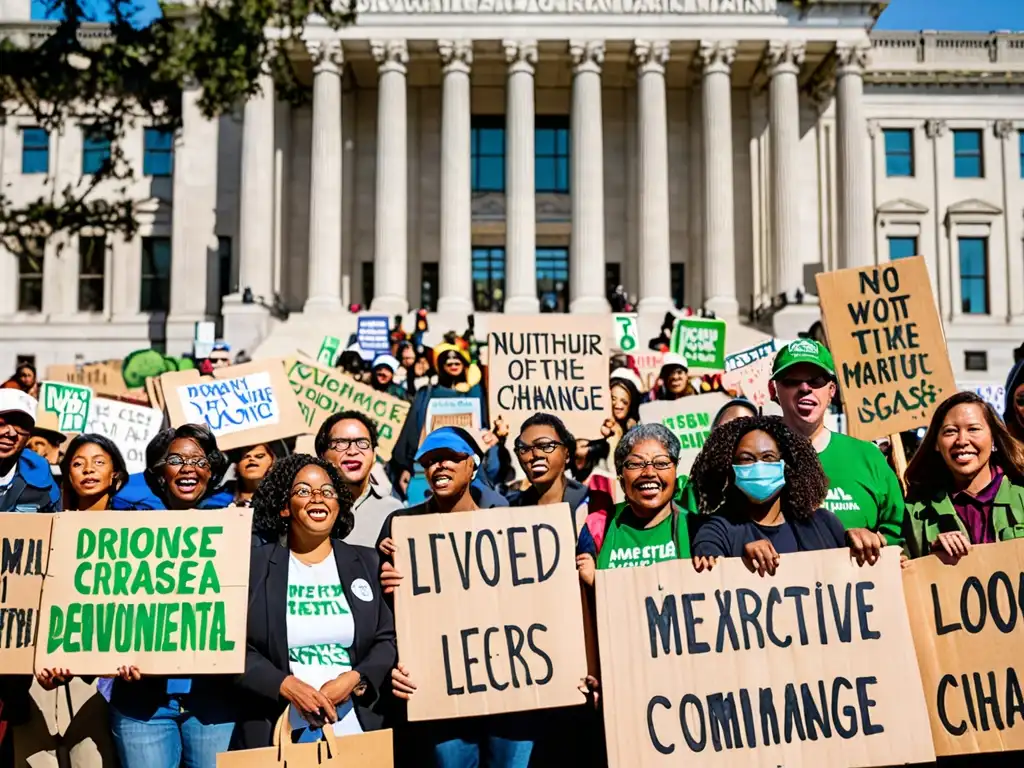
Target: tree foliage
111, 76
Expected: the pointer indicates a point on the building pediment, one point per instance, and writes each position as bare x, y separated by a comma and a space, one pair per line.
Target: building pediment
973, 207
902, 206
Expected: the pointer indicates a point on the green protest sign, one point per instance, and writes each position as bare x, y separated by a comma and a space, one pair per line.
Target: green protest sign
626, 332
689, 418
164, 591
63, 407
701, 341
329, 349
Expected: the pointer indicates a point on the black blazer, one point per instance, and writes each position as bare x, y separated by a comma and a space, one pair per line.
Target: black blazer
373, 652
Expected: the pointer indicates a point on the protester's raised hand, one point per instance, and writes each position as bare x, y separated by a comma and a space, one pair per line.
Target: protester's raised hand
951, 546
401, 683
129, 674
389, 578
607, 428
314, 706
489, 439
760, 557
865, 546
587, 568
704, 563
500, 428
591, 688
388, 547
49, 679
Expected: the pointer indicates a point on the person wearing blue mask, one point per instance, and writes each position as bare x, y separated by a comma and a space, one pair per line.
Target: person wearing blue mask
762, 487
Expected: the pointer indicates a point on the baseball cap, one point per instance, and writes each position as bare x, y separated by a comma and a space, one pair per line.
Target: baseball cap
803, 351
387, 361
447, 438
627, 374
16, 401
671, 358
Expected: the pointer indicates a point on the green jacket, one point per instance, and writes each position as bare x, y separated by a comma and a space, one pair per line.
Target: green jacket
927, 518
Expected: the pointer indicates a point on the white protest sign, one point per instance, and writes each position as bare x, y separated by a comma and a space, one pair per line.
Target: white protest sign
129, 426
231, 405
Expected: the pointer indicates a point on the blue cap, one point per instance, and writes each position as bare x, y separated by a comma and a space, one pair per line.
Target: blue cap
449, 438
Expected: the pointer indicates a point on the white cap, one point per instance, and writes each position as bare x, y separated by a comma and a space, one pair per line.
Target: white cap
627, 374
671, 358
387, 360
16, 401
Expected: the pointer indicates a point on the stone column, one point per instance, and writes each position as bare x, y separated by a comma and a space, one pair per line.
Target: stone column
856, 222
256, 198
586, 255
716, 60
784, 61
456, 296
390, 229
520, 196
324, 293
652, 171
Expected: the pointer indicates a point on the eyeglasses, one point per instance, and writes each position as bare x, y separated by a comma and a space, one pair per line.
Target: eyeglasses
817, 382
305, 492
522, 449
342, 444
175, 460
660, 464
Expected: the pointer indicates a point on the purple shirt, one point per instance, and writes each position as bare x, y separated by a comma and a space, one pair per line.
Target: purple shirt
975, 512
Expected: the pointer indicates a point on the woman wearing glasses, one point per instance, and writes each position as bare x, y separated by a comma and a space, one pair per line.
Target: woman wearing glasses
321, 641
158, 722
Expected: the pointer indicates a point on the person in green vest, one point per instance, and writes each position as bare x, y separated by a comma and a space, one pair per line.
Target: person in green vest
863, 492
966, 481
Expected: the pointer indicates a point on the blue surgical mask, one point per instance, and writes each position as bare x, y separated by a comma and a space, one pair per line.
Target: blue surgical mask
761, 480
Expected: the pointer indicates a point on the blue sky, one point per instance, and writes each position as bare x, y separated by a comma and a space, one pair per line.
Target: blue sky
961, 15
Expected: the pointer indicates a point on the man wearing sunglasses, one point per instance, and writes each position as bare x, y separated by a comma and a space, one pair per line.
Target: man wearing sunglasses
863, 491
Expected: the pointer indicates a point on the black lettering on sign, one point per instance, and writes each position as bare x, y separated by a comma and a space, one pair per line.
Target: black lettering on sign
993, 700
507, 654
977, 602
21, 557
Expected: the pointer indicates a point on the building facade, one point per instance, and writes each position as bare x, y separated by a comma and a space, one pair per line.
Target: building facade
530, 155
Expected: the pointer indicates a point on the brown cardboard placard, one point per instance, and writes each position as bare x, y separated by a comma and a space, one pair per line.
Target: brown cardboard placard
322, 391
104, 377
371, 749
488, 616
689, 419
164, 591
155, 393
691, 683
969, 630
305, 444
243, 404
552, 363
886, 338
24, 551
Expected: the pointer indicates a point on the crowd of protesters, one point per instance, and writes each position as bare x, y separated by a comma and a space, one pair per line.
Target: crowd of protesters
763, 487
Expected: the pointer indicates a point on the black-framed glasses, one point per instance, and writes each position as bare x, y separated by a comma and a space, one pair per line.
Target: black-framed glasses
547, 448
817, 382
342, 444
199, 462
305, 492
660, 464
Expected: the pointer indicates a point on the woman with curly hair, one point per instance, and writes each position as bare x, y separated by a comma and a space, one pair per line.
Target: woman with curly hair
320, 640
762, 485
966, 481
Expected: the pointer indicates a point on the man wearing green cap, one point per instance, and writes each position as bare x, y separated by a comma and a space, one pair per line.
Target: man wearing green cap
863, 491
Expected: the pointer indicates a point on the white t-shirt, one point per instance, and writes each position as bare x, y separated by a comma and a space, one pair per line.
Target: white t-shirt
320, 632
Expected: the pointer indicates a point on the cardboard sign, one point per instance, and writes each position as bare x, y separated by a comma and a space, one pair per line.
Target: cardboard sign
164, 591
993, 394
321, 392
330, 348
812, 667
886, 337
63, 407
689, 418
701, 341
552, 363
649, 364
104, 378
24, 550
242, 404
489, 612
373, 335
751, 380
969, 629
625, 332
751, 355
453, 412
130, 426
372, 749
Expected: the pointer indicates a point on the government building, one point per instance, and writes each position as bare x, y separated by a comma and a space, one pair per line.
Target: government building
478, 156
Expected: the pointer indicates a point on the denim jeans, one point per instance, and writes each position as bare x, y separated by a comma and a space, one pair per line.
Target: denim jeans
500, 753
170, 738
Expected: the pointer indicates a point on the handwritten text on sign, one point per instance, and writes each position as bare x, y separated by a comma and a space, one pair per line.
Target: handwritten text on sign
24, 549
231, 405
814, 666
689, 418
486, 611
131, 427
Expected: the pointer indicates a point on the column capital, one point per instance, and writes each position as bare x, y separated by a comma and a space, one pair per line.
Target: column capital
650, 56
1003, 129
456, 55
521, 55
587, 56
327, 55
852, 58
716, 56
390, 55
785, 57
933, 129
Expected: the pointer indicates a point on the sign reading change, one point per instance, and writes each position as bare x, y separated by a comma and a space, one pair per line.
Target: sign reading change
24, 549
164, 591
887, 341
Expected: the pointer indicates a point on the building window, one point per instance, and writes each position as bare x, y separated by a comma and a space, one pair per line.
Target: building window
488, 154
968, 162
551, 154
92, 266
30, 276
489, 279
367, 276
974, 275
679, 285
899, 152
156, 274
35, 150
158, 152
902, 247
428, 294
976, 361
95, 151
224, 286
553, 279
